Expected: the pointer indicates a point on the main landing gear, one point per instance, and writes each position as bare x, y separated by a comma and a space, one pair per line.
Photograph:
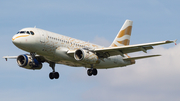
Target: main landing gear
53, 74
32, 64
92, 71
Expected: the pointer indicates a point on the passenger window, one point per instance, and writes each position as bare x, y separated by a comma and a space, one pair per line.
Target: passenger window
32, 33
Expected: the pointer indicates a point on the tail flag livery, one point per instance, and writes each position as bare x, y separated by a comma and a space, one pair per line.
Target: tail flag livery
123, 37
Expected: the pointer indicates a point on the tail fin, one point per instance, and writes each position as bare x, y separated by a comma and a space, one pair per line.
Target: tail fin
123, 37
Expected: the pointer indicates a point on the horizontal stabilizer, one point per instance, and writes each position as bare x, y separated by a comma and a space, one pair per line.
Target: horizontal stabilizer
140, 57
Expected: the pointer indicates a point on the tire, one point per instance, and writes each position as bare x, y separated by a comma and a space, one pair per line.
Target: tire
56, 75
89, 72
94, 72
51, 75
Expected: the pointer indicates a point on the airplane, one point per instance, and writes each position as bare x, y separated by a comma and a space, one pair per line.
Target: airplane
45, 46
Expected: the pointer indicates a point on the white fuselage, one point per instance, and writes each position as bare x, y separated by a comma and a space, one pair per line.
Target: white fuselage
54, 47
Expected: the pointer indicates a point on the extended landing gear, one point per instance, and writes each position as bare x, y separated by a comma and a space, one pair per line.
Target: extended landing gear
53, 74
92, 71
32, 64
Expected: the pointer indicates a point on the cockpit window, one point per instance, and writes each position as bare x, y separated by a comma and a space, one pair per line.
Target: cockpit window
22, 32
32, 33
27, 32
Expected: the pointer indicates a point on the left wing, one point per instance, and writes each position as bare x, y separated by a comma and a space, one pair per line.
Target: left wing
121, 50
15, 57
10, 57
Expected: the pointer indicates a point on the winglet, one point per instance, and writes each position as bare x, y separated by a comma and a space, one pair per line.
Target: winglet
175, 42
5, 57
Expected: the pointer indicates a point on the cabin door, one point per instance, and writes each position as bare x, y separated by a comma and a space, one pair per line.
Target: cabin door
42, 33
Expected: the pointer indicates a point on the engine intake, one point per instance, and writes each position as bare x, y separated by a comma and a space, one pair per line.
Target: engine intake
86, 56
26, 61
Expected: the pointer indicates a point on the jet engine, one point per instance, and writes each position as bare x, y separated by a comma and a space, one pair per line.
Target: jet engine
26, 61
86, 56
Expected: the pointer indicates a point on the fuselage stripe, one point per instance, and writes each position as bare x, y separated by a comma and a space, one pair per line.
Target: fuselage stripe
19, 37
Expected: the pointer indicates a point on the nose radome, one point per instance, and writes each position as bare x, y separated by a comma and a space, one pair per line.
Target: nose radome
15, 40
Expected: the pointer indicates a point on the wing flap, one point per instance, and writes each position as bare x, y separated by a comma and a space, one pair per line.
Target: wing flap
140, 57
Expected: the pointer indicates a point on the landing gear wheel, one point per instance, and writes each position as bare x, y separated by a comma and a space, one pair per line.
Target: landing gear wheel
53, 75
89, 72
56, 75
94, 72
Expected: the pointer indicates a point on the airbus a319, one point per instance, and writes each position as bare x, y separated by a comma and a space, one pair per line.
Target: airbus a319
44, 46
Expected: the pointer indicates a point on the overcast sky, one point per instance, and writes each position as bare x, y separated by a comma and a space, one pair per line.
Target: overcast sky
96, 21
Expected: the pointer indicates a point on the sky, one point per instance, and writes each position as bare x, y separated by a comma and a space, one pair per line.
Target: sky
96, 21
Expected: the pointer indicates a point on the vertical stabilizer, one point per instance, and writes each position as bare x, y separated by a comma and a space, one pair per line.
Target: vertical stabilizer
123, 37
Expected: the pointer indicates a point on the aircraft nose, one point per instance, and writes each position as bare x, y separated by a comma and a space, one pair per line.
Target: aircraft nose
15, 40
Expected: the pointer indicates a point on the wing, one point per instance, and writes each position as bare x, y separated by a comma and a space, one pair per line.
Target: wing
111, 51
15, 57
10, 57
121, 50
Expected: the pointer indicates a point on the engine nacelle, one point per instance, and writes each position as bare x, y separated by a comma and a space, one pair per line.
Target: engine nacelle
86, 56
26, 61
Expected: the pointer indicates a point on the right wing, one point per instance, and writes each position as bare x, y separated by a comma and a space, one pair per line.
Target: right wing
121, 50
